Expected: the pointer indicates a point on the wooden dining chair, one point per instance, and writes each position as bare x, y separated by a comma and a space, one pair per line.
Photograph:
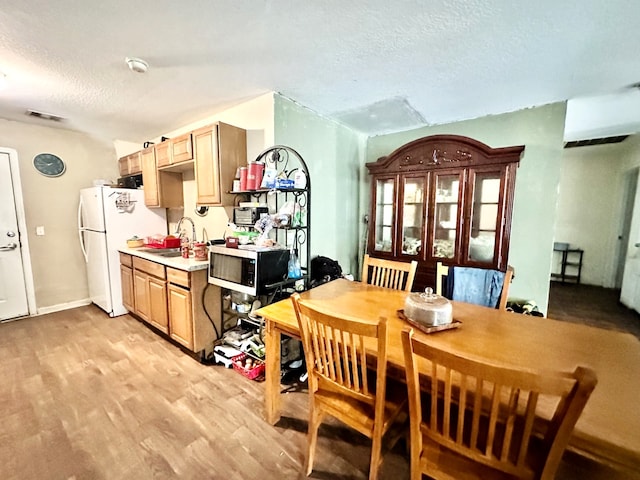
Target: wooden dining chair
389, 273
341, 385
442, 271
481, 421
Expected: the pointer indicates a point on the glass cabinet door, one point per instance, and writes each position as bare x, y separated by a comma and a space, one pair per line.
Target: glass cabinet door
485, 208
446, 213
413, 215
384, 221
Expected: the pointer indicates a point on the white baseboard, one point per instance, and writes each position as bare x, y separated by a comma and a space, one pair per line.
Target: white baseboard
63, 306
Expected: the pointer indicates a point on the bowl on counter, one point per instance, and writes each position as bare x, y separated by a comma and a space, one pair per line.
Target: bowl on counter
135, 243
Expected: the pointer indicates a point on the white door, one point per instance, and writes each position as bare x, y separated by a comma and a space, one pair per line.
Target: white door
13, 292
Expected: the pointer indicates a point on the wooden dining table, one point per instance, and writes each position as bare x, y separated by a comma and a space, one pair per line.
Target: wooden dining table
608, 429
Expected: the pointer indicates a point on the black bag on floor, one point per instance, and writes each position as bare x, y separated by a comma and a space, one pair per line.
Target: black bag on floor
323, 270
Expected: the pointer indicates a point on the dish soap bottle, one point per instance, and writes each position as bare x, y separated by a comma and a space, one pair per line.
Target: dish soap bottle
294, 270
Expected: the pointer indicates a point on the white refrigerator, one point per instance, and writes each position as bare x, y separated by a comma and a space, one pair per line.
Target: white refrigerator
107, 217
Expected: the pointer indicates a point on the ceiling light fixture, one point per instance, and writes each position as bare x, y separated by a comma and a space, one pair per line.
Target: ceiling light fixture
44, 116
137, 64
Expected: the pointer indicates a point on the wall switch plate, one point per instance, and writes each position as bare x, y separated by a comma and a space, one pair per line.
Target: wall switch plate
40, 230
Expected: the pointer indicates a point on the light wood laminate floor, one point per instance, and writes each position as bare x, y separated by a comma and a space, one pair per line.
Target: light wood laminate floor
85, 396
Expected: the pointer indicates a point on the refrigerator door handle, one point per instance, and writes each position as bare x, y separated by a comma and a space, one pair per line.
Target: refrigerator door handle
80, 230
80, 214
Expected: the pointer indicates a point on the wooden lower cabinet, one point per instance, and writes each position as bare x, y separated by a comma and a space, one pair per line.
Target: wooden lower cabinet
189, 323
172, 301
126, 278
180, 308
158, 315
141, 295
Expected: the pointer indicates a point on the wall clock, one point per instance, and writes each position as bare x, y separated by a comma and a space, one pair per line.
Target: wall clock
49, 165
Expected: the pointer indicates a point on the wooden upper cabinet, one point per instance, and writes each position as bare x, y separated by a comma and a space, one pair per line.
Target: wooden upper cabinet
135, 163
163, 154
443, 198
219, 150
150, 177
181, 148
174, 151
130, 164
215, 152
207, 167
161, 189
123, 166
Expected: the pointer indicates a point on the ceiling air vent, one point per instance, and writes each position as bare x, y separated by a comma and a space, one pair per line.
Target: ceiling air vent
595, 141
44, 116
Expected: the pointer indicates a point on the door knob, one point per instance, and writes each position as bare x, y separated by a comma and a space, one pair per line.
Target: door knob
11, 234
8, 246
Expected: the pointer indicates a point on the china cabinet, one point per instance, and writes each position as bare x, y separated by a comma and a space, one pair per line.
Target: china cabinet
443, 198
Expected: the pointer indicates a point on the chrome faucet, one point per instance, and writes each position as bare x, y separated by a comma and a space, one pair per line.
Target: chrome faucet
193, 228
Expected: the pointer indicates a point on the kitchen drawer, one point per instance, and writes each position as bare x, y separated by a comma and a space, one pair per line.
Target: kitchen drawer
125, 260
178, 277
152, 268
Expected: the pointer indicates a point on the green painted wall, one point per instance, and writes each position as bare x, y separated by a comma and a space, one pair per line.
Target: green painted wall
333, 154
541, 131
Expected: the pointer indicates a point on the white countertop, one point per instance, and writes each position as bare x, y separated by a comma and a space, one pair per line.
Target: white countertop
188, 264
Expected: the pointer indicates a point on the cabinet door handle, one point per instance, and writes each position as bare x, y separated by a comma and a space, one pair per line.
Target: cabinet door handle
8, 246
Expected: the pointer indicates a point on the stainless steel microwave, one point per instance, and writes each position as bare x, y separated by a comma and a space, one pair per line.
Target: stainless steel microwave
248, 269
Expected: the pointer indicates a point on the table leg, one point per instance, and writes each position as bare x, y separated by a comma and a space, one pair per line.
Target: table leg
272, 373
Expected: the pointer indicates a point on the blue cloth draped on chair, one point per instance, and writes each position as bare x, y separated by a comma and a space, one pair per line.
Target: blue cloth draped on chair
475, 285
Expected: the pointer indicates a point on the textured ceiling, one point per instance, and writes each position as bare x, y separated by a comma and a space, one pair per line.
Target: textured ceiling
377, 66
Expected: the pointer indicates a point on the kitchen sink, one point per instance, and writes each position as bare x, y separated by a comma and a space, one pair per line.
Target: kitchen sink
162, 252
170, 254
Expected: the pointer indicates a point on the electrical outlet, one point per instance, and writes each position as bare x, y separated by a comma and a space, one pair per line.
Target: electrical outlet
40, 230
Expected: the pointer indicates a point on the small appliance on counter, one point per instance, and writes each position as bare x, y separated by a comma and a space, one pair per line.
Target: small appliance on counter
247, 270
130, 181
248, 215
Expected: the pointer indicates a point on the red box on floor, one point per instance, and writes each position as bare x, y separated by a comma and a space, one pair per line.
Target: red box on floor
252, 372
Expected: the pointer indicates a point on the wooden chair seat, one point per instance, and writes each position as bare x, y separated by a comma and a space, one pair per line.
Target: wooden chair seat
445, 464
341, 384
361, 414
482, 421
